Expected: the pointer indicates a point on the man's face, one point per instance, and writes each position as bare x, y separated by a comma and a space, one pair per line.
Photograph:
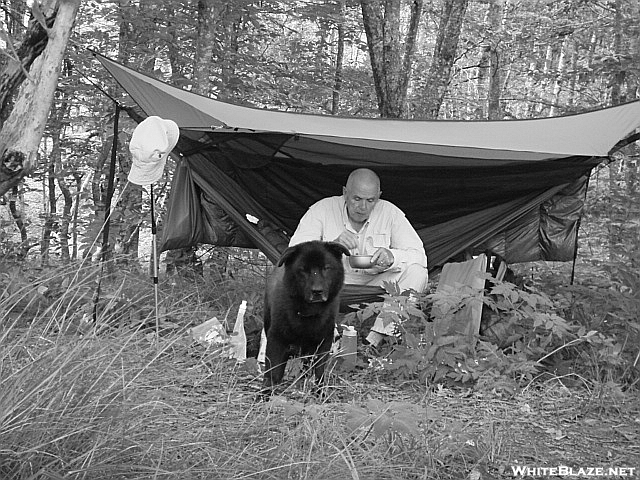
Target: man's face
360, 201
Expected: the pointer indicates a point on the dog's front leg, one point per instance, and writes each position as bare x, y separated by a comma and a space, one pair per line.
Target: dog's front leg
276, 357
321, 358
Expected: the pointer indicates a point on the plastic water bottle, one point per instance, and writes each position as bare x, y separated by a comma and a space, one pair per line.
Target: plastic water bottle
239, 337
262, 353
349, 347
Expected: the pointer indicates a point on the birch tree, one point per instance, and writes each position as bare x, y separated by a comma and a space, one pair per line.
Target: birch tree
24, 127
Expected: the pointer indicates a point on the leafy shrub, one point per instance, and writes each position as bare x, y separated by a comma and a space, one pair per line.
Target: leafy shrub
522, 336
609, 306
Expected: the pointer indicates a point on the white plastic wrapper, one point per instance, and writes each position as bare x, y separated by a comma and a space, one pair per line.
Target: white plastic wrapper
210, 333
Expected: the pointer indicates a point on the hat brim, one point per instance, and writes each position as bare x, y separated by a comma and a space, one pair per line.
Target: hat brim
147, 173
151, 142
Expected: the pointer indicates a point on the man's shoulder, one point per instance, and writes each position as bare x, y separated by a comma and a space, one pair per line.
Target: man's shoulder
388, 207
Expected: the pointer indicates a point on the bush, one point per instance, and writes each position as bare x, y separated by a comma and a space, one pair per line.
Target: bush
523, 336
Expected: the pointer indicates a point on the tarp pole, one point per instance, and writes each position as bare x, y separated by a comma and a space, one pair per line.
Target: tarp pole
107, 210
154, 253
575, 246
110, 186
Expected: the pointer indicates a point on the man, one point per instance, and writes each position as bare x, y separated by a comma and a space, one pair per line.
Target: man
367, 225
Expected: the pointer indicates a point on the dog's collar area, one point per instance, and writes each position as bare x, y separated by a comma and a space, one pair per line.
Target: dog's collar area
311, 312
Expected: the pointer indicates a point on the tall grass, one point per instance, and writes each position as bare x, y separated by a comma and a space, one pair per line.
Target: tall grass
86, 396
65, 394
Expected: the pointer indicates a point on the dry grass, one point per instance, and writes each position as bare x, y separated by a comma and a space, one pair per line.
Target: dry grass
80, 402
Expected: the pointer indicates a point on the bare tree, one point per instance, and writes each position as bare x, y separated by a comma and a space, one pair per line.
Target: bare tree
337, 85
205, 43
390, 51
444, 55
23, 129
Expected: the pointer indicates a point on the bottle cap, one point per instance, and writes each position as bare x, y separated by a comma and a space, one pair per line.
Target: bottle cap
349, 330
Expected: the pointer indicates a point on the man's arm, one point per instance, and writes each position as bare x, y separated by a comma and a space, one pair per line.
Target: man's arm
406, 245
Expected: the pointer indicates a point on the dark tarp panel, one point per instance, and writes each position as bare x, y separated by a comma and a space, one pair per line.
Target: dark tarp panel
515, 187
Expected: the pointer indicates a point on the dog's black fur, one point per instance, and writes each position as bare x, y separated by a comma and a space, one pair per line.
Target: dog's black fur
301, 305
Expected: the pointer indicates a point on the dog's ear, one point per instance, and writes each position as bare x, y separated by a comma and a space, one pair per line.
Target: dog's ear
337, 249
288, 255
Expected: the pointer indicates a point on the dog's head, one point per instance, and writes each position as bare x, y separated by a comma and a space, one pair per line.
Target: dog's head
313, 270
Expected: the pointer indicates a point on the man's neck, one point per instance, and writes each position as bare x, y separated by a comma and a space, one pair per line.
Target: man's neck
357, 226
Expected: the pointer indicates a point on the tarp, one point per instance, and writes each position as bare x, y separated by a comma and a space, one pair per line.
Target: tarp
515, 187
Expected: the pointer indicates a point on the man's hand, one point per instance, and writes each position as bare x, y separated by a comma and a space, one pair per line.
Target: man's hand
383, 258
348, 239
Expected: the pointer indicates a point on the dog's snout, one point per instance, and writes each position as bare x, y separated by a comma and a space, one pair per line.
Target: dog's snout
318, 294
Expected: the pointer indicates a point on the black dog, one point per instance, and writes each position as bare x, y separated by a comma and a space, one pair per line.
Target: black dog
300, 308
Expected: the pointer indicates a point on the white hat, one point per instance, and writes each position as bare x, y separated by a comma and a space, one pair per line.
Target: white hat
151, 142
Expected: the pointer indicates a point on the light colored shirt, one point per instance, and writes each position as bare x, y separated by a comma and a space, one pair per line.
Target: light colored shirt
387, 227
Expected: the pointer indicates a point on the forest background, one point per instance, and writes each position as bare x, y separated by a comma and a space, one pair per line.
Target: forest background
125, 403
442, 59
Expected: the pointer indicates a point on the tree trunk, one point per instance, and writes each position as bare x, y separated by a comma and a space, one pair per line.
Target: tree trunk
174, 46
529, 92
482, 83
205, 42
15, 66
634, 52
619, 74
613, 228
16, 213
58, 122
91, 233
495, 87
74, 215
496, 20
489, 79
60, 110
391, 55
22, 132
573, 79
50, 203
444, 54
559, 78
337, 82
129, 208
65, 219
546, 75
322, 33
15, 21
229, 19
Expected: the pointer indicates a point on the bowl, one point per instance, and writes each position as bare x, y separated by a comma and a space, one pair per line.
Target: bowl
360, 261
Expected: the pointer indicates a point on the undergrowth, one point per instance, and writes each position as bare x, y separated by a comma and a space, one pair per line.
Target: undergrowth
88, 390
525, 336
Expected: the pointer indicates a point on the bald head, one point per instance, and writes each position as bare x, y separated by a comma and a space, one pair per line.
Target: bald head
361, 194
363, 178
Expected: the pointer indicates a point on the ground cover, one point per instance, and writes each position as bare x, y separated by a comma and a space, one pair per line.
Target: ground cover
80, 399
